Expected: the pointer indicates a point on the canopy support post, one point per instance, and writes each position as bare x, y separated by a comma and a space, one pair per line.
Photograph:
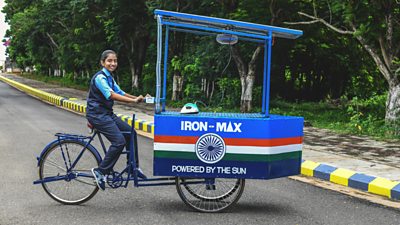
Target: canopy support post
158, 64
267, 90
165, 68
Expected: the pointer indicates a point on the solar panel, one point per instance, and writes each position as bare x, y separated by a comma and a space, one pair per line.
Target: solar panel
191, 21
217, 114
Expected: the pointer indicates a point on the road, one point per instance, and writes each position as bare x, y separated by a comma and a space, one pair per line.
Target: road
27, 125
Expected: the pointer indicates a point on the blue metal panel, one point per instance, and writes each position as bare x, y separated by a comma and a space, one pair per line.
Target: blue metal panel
227, 169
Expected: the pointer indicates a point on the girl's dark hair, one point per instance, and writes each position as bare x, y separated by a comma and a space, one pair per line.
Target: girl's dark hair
105, 54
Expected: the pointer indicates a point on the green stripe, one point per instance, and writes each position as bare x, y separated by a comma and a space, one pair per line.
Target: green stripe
231, 157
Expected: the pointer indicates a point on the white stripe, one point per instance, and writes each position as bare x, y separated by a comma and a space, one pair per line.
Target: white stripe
231, 149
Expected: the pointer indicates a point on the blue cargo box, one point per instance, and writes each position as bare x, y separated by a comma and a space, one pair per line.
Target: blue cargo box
227, 145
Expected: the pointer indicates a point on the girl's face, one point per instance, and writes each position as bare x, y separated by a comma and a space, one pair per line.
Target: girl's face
110, 63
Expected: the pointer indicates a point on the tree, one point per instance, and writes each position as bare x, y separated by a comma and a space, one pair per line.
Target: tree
25, 33
55, 35
374, 23
250, 11
127, 24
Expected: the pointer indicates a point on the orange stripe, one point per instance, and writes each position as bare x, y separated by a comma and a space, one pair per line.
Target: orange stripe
176, 139
232, 141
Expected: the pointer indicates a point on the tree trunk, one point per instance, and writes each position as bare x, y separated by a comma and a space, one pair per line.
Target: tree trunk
393, 105
206, 87
242, 69
247, 96
135, 76
212, 90
247, 77
177, 85
136, 48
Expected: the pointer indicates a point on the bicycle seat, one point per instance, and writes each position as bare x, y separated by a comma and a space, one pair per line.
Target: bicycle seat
89, 125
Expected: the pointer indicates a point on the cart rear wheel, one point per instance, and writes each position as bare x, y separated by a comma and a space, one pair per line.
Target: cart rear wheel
209, 195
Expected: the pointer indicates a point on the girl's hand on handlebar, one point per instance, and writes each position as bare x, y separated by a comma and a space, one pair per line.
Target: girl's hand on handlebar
139, 98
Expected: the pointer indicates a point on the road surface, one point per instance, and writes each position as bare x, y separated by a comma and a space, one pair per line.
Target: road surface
27, 125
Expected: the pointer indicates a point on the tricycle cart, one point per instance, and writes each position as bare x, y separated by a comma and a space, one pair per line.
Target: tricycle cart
207, 156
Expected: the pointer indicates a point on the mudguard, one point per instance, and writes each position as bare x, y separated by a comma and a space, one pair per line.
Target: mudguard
57, 141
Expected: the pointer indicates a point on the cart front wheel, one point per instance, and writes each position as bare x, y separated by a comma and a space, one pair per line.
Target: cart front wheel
209, 195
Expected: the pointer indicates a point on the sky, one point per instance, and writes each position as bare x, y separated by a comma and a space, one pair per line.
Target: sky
3, 28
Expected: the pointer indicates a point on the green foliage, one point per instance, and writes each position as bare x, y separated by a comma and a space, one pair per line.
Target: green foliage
366, 114
229, 93
357, 116
317, 67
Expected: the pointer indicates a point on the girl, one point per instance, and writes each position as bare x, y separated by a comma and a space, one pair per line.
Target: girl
99, 112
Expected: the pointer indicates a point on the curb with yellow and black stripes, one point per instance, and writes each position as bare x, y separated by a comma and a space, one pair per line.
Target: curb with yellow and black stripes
371, 184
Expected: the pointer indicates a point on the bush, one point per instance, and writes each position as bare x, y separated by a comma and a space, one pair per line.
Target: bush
229, 91
366, 114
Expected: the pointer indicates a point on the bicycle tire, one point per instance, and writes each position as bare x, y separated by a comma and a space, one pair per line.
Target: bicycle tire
71, 190
197, 195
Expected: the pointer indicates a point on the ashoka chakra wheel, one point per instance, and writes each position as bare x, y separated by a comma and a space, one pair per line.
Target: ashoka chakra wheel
210, 148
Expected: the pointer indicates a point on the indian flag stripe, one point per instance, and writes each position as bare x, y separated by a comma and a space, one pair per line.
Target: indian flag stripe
231, 157
232, 141
231, 149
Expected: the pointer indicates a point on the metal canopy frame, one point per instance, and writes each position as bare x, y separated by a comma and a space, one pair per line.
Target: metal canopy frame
203, 25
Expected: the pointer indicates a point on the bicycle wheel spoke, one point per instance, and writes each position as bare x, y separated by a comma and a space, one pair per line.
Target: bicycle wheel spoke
86, 182
51, 163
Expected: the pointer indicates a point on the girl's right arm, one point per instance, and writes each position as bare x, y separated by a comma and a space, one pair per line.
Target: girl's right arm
121, 98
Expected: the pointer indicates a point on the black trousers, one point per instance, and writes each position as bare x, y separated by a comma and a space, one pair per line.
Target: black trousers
112, 130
